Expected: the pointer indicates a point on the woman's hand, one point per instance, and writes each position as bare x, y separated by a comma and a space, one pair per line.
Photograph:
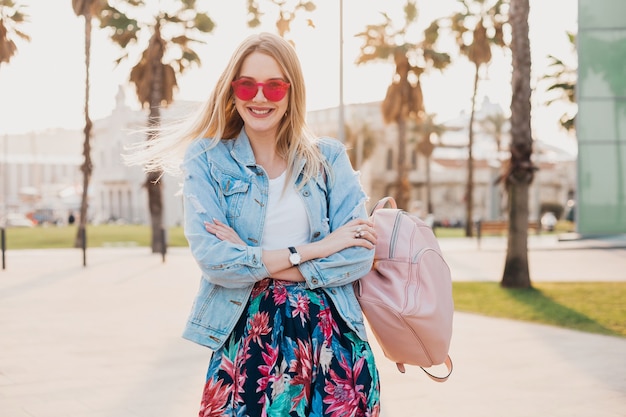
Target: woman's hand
223, 232
357, 232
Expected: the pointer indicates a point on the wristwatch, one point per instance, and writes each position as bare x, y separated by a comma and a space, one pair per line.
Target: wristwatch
294, 257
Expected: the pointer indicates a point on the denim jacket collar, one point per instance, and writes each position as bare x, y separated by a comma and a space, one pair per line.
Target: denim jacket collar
242, 150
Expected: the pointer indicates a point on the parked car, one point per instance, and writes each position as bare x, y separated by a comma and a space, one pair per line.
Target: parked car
17, 220
548, 221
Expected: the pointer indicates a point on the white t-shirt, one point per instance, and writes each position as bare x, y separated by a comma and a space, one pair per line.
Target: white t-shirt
286, 221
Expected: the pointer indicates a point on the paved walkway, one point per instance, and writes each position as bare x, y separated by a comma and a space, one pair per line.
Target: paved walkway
104, 341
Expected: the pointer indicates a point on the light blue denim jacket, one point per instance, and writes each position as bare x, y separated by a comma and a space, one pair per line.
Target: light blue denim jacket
225, 183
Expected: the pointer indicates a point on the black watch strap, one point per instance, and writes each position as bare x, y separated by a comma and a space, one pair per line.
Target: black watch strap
294, 258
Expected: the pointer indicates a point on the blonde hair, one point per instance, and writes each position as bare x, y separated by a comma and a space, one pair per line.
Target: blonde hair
218, 119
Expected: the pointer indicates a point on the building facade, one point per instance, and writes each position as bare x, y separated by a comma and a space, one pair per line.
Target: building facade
117, 192
40, 173
601, 118
441, 179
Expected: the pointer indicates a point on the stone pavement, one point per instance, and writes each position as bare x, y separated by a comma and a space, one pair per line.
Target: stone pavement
104, 340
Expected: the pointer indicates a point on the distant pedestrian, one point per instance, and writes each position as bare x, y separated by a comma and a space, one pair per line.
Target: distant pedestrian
276, 220
71, 219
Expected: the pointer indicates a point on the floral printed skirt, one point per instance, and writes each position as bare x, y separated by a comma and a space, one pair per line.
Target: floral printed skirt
291, 355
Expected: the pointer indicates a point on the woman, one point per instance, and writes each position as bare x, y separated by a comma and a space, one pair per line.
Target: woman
276, 220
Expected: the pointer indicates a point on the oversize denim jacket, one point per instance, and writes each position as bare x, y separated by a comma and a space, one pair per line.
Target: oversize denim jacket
225, 183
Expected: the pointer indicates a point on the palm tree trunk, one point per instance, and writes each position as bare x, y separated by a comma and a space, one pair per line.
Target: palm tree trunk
154, 182
469, 190
402, 182
516, 272
86, 167
429, 200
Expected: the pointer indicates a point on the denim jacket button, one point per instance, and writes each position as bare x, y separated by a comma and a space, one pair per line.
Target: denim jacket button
316, 235
314, 281
306, 193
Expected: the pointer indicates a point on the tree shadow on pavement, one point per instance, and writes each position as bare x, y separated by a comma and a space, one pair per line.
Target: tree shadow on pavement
545, 309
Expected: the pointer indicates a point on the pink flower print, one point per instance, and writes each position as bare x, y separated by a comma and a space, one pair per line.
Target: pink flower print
214, 399
280, 293
327, 323
259, 326
300, 307
260, 287
270, 357
302, 367
344, 396
302, 364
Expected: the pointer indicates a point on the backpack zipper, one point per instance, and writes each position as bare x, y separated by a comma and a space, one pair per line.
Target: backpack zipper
394, 235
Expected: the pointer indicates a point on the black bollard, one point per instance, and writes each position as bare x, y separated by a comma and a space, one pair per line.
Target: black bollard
83, 239
479, 224
163, 245
3, 243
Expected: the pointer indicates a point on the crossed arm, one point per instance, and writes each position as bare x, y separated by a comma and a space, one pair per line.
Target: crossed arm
357, 232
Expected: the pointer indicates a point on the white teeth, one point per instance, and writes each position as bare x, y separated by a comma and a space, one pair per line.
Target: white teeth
255, 111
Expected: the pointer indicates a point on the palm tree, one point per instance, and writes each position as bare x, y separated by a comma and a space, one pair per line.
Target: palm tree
170, 31
496, 125
12, 17
521, 170
424, 129
404, 99
88, 9
477, 27
562, 80
361, 142
286, 14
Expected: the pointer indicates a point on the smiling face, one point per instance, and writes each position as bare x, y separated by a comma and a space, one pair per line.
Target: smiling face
261, 116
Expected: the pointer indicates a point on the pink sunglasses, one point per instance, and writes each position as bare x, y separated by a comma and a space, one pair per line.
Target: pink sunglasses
247, 88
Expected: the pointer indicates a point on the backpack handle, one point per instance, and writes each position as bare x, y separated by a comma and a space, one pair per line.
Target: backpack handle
383, 202
447, 363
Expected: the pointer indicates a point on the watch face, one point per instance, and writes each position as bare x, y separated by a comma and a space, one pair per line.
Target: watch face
294, 258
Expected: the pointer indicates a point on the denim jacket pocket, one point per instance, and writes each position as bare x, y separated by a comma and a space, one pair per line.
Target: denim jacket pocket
233, 189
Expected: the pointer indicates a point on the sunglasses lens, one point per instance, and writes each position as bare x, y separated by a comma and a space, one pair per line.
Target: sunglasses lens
275, 90
244, 89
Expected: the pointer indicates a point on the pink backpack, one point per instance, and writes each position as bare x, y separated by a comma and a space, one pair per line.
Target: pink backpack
407, 296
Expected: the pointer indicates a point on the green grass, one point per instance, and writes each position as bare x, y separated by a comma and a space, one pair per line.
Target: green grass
97, 236
595, 307
444, 232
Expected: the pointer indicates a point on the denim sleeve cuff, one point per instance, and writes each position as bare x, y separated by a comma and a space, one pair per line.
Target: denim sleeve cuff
258, 269
311, 275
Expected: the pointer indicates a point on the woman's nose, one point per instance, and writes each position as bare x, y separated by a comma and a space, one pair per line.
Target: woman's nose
259, 94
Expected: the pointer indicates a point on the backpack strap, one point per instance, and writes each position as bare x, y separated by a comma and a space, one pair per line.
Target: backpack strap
383, 202
447, 362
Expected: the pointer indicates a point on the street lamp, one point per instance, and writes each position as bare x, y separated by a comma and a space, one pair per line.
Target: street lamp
341, 131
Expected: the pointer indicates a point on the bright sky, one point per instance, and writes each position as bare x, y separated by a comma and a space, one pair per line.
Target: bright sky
43, 87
